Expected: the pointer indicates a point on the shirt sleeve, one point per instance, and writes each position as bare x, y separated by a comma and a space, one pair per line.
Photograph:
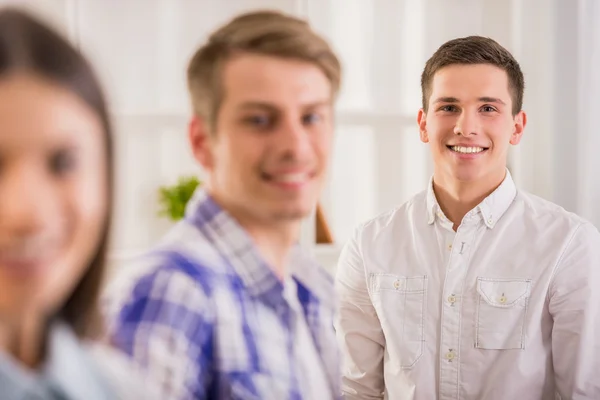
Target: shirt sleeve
358, 328
163, 321
574, 303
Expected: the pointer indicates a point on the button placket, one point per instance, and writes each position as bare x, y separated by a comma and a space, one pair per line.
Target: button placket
453, 291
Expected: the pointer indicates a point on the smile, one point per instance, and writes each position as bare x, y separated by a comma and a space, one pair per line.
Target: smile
290, 178
467, 150
29, 256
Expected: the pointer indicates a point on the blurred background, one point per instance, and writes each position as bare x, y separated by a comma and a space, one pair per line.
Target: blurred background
140, 49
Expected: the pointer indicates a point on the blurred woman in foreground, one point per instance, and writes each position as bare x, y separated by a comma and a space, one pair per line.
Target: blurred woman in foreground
55, 202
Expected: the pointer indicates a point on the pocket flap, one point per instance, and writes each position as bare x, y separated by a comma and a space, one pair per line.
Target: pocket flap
503, 292
380, 282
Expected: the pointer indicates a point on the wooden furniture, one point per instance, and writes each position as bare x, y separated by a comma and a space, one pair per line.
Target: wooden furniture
324, 235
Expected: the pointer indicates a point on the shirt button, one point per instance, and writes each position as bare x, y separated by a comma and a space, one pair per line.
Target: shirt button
452, 299
450, 355
449, 247
502, 299
397, 284
490, 220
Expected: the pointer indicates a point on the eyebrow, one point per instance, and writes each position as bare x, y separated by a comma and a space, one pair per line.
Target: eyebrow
256, 104
272, 107
482, 99
491, 100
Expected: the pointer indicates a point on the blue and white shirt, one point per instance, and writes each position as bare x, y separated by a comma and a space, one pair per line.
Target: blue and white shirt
206, 317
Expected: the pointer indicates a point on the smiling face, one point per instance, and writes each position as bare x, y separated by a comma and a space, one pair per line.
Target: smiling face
268, 156
53, 194
469, 124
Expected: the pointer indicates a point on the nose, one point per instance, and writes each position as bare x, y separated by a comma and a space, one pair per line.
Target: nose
467, 124
294, 139
25, 201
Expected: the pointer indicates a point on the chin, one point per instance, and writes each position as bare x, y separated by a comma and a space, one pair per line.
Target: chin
291, 213
14, 303
290, 208
468, 174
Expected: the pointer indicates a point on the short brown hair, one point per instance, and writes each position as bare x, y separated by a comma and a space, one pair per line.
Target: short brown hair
475, 50
261, 32
28, 45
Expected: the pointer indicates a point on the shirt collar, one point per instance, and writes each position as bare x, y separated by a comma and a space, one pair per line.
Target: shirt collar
70, 366
237, 245
491, 209
67, 370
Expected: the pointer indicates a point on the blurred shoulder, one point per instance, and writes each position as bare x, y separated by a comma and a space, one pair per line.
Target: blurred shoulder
123, 377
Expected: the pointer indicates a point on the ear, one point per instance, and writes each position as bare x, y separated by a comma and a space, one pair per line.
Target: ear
421, 121
200, 142
520, 121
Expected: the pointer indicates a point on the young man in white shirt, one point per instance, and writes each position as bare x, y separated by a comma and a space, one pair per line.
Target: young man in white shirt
472, 289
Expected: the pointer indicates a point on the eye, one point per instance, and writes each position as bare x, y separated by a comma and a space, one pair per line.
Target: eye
448, 108
311, 119
62, 162
488, 108
258, 121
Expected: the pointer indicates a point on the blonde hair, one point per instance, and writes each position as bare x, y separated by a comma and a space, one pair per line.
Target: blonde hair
261, 32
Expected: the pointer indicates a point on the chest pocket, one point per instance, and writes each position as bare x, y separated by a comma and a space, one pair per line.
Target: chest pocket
400, 303
501, 312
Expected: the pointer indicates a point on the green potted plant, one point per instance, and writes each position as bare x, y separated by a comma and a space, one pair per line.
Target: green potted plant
174, 198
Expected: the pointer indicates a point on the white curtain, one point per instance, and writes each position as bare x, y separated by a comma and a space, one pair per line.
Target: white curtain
576, 134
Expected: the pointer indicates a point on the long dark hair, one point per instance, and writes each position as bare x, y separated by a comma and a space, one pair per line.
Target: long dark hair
29, 45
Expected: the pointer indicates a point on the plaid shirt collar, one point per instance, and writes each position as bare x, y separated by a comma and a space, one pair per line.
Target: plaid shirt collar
258, 278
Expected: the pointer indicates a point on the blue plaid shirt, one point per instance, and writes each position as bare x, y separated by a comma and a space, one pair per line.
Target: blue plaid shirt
205, 316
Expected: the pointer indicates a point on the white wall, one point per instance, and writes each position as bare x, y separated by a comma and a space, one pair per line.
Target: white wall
141, 48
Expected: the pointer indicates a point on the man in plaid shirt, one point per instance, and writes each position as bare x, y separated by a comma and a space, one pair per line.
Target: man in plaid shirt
226, 306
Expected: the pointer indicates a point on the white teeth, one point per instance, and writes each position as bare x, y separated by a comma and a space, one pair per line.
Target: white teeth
467, 150
290, 178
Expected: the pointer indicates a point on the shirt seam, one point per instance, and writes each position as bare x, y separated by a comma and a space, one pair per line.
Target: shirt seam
560, 259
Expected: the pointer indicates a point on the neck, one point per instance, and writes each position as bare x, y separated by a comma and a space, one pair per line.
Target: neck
23, 339
456, 198
275, 244
274, 240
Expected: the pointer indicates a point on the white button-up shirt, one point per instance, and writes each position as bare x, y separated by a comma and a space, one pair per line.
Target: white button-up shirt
506, 307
